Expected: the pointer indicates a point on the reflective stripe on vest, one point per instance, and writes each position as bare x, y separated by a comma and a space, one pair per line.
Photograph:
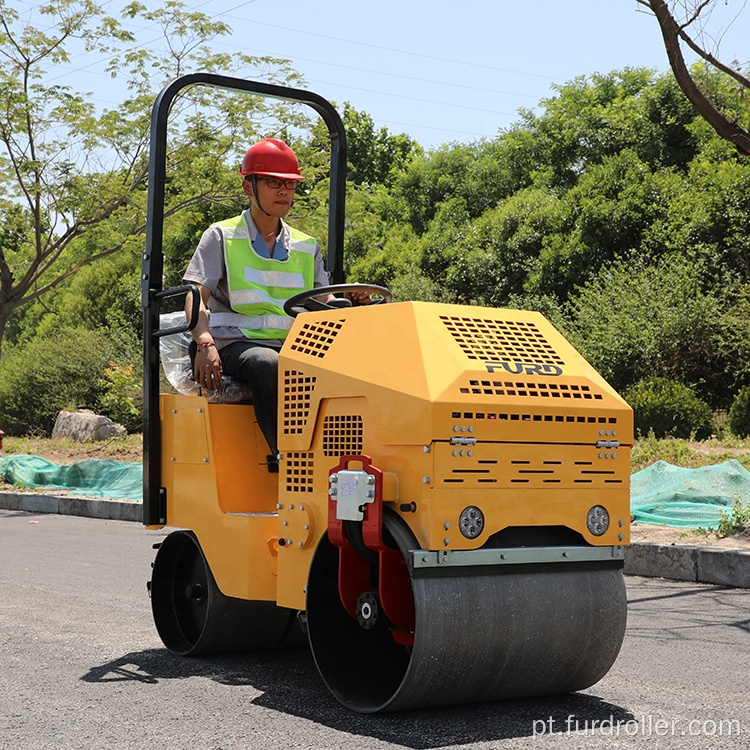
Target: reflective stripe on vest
258, 287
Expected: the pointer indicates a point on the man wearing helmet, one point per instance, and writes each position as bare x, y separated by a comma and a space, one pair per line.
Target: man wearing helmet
245, 268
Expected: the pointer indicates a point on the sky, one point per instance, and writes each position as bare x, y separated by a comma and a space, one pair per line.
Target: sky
437, 70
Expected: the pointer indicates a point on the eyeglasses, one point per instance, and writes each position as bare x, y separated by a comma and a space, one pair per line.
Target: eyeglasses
275, 183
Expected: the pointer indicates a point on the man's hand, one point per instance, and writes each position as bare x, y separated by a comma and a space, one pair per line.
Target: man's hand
208, 366
359, 298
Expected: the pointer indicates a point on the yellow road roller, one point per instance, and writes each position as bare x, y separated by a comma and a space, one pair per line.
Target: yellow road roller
450, 515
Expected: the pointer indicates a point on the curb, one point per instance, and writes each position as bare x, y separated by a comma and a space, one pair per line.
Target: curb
67, 505
717, 565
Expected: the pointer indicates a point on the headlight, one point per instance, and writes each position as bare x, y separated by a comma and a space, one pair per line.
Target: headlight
471, 522
597, 520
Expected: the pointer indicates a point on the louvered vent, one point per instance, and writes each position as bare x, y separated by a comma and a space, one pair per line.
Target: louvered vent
342, 435
299, 472
503, 341
298, 389
534, 473
542, 390
316, 338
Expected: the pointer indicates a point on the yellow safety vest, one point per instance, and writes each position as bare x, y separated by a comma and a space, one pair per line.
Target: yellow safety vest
258, 287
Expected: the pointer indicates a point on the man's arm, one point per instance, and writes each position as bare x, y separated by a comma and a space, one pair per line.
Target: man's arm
207, 371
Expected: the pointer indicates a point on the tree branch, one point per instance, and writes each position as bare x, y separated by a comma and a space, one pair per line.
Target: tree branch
671, 33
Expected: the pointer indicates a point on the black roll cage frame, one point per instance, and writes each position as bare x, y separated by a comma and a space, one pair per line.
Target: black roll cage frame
152, 262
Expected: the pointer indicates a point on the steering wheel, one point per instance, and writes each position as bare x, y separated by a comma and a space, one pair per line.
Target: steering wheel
306, 302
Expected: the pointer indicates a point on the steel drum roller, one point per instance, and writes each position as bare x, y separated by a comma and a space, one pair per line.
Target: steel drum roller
520, 631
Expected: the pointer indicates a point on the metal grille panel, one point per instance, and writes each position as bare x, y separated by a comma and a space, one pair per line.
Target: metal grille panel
299, 472
498, 340
298, 389
316, 338
522, 389
342, 435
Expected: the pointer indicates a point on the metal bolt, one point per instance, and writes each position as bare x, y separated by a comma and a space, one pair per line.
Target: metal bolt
301, 507
370, 479
306, 526
446, 525
285, 523
621, 522
333, 492
447, 541
299, 544
425, 558
455, 428
173, 458
601, 455
200, 410
614, 455
621, 536
614, 433
279, 506
471, 453
471, 429
174, 411
333, 478
463, 428
601, 432
291, 507
205, 460
463, 453
455, 453
425, 480
427, 449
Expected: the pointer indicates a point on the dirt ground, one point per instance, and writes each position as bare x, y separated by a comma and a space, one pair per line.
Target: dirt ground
643, 532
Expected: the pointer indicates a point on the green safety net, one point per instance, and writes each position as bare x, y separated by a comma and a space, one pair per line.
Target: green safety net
687, 498
96, 477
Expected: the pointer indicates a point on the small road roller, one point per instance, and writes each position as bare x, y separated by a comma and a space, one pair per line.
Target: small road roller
451, 510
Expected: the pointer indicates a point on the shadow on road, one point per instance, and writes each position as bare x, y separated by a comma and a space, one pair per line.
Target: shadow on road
289, 683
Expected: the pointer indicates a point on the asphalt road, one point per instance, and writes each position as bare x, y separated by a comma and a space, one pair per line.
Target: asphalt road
81, 667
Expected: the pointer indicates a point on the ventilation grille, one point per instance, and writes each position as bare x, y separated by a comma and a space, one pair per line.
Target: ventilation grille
548, 473
342, 435
299, 472
497, 340
315, 339
520, 417
298, 389
544, 390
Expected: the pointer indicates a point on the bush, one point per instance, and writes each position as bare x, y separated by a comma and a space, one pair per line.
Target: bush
49, 374
739, 414
668, 408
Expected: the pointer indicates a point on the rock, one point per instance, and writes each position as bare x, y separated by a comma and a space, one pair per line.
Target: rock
85, 426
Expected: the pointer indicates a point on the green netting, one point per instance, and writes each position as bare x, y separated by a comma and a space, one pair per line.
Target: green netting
95, 476
688, 498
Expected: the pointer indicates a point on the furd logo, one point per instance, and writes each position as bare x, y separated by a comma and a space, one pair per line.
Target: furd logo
524, 368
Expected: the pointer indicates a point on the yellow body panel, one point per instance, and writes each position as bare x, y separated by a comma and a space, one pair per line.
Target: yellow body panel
458, 406
217, 484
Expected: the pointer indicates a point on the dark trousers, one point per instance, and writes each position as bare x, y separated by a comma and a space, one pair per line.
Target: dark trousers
258, 366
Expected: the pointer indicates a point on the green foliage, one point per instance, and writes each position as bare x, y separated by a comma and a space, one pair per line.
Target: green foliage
122, 396
59, 371
635, 320
668, 408
733, 521
739, 414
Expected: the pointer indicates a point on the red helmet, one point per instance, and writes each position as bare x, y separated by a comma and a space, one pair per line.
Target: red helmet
271, 158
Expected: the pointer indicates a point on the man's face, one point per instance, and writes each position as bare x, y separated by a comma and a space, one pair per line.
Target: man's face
275, 200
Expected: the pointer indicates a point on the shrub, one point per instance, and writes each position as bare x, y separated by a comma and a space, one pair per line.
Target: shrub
122, 399
668, 408
51, 373
739, 414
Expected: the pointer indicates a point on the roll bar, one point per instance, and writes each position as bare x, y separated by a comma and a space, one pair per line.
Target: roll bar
152, 265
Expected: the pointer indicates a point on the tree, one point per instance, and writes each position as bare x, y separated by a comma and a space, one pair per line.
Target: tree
73, 179
725, 110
